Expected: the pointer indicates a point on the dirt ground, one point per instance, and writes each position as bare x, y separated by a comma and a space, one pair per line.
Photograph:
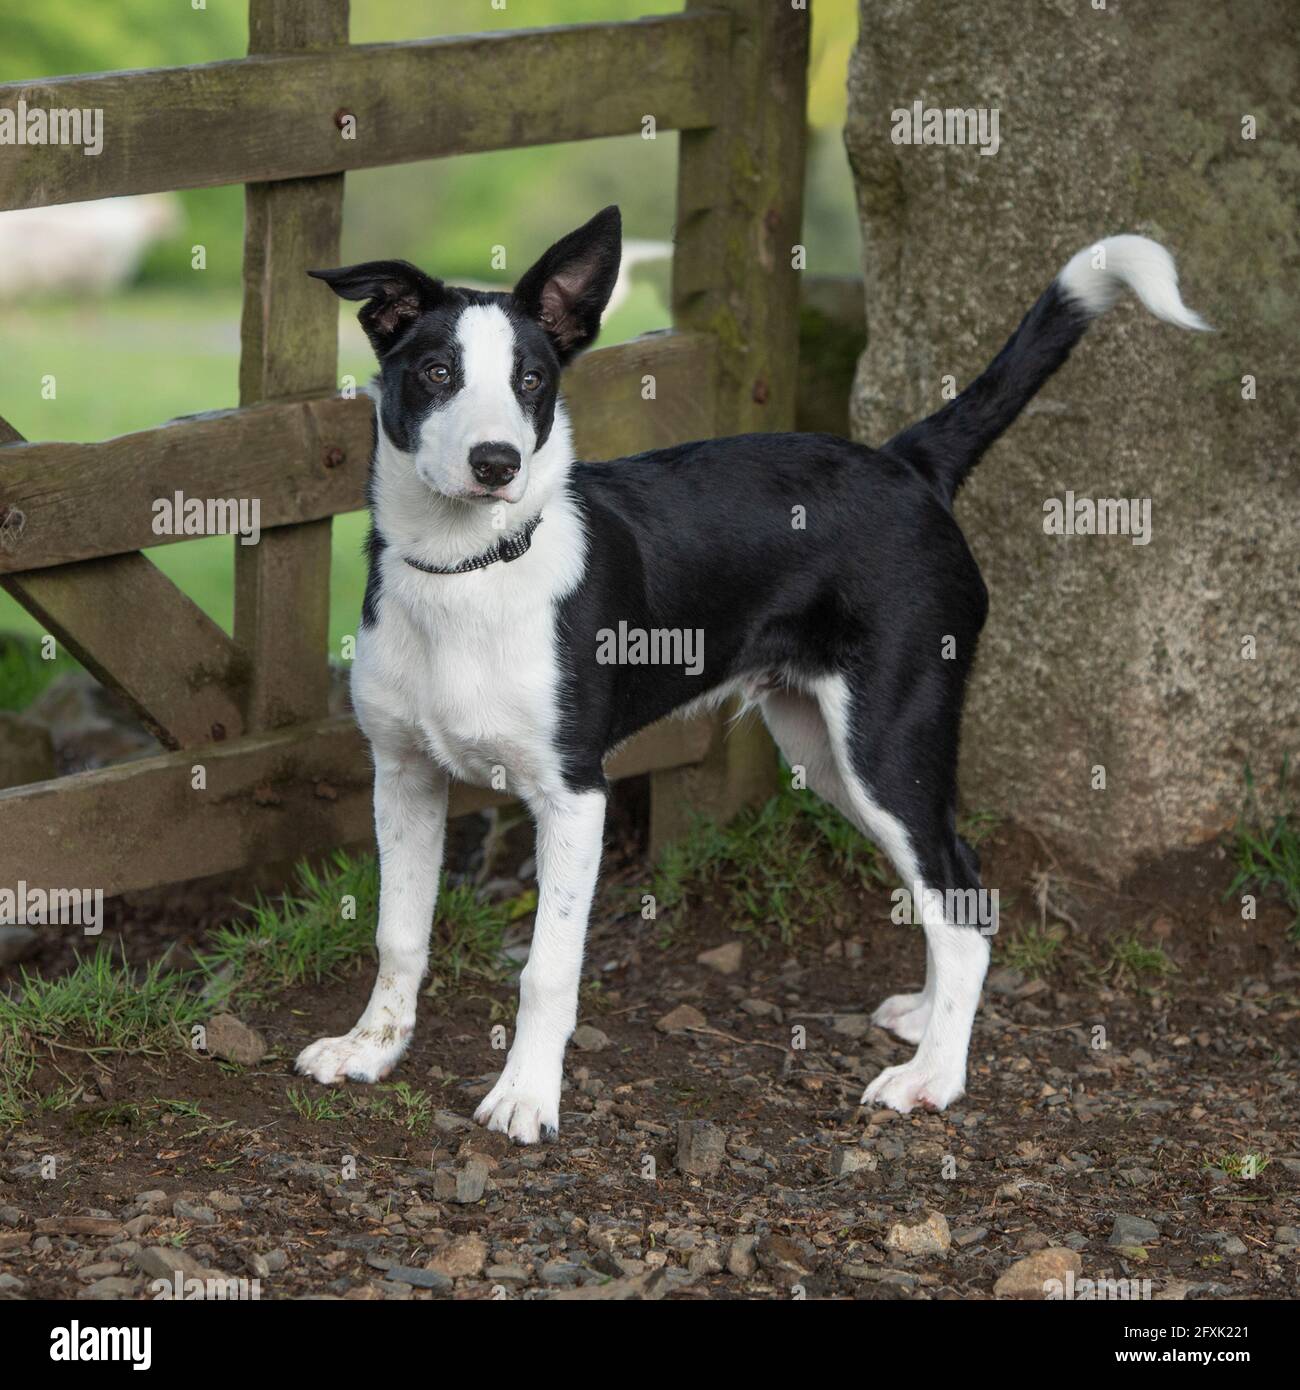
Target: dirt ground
711, 1156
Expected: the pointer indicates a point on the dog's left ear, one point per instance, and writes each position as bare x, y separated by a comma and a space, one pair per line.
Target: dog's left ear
567, 290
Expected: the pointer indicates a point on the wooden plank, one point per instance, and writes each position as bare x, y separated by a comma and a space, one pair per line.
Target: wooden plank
616, 396
305, 460
278, 115
108, 614
266, 798
289, 347
740, 216
136, 633
739, 219
300, 461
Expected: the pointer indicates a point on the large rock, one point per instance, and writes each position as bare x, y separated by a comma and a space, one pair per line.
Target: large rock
1097, 651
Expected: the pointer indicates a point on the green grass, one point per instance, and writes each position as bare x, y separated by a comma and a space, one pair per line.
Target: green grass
101, 1006
105, 1007
398, 1104
1134, 961
1030, 950
317, 1107
1267, 848
1239, 1165
328, 922
768, 867
25, 672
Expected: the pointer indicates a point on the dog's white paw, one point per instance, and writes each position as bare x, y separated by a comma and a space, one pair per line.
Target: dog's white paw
525, 1103
904, 1015
916, 1083
365, 1054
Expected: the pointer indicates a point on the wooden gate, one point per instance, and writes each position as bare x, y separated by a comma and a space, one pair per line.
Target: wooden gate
280, 777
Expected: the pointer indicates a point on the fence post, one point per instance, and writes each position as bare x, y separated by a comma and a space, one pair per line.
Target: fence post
739, 218
289, 347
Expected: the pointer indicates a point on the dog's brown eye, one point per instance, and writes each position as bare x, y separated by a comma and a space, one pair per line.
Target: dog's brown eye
531, 381
439, 373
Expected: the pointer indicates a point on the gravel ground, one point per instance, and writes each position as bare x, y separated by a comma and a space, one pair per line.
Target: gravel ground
1106, 1132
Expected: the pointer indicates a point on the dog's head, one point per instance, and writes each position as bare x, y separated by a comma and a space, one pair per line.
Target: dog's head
470, 379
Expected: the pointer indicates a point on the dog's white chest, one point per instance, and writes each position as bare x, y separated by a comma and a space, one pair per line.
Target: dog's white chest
470, 668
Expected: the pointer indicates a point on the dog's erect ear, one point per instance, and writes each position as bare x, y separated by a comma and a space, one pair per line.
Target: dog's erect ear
567, 290
397, 292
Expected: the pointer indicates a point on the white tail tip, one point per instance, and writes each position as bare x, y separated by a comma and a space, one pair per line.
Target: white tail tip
1095, 277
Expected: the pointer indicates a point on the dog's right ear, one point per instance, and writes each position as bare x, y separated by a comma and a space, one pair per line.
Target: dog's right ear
396, 292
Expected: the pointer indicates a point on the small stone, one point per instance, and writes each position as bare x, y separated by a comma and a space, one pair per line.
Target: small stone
471, 1182
10, 1283
1287, 1235
418, 1278
112, 1287
649, 1286
784, 1259
740, 1258
1132, 1230
701, 1147
79, 1226
1230, 1245
464, 1258
852, 1025
589, 1039
724, 959
191, 1211
89, 1273
230, 1038
704, 1261
846, 1159
165, 1262
681, 1018
1030, 1277
930, 1236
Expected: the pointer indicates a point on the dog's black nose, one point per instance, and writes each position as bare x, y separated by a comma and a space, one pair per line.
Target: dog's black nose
494, 465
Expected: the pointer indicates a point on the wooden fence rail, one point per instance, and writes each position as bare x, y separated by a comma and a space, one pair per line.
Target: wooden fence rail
258, 772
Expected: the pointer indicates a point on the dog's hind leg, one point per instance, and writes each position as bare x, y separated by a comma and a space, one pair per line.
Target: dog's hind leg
900, 782
410, 825
525, 1102
800, 732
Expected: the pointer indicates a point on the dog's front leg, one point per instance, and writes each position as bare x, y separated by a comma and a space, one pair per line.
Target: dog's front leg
410, 825
525, 1102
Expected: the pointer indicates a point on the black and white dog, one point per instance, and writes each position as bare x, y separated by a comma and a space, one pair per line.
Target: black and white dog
497, 560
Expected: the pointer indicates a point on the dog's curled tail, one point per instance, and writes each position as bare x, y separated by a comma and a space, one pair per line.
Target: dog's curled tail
949, 443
